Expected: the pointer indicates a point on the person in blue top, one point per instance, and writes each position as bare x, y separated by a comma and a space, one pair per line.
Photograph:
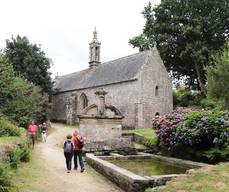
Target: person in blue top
68, 152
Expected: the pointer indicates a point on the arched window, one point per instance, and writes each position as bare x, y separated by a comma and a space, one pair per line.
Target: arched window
83, 101
156, 90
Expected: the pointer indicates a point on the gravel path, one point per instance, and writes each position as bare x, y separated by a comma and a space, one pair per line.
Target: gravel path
57, 179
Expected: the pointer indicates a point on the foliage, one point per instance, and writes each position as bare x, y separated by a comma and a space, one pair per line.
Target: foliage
186, 33
216, 154
19, 154
28, 103
5, 182
6, 80
204, 129
218, 78
18, 150
21, 101
7, 128
184, 97
29, 61
151, 143
196, 130
166, 127
208, 103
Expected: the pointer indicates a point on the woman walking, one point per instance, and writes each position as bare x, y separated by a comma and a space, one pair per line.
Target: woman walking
68, 152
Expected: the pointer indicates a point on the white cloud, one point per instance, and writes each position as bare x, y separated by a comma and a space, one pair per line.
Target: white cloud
64, 27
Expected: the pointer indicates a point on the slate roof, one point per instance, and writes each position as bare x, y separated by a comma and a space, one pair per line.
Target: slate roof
119, 70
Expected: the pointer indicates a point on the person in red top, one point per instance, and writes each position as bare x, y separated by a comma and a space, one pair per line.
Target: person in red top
77, 141
32, 129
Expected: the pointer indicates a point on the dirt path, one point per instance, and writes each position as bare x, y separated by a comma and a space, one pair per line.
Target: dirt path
57, 180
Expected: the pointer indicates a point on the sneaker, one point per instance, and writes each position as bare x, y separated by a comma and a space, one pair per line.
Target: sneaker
82, 170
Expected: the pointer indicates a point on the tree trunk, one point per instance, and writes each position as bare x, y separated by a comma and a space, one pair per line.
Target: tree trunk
201, 79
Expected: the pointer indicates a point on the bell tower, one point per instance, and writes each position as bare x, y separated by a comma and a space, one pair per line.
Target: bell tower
94, 48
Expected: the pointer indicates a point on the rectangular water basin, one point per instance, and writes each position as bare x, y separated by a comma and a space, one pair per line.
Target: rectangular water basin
149, 167
135, 173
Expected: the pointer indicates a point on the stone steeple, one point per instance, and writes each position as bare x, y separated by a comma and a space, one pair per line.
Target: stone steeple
94, 47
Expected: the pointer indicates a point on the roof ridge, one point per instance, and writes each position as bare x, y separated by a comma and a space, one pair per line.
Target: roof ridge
73, 73
128, 56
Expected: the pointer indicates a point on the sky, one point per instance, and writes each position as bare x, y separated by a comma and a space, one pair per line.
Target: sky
64, 28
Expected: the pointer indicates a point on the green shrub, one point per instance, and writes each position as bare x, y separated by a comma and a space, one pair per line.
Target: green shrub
218, 78
5, 182
19, 154
14, 157
184, 97
175, 99
216, 154
151, 143
25, 152
7, 128
208, 103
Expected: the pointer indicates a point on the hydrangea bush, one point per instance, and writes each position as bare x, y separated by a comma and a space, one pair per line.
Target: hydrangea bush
193, 129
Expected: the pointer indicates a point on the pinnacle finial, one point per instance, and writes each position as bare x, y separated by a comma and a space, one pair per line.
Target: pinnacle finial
95, 33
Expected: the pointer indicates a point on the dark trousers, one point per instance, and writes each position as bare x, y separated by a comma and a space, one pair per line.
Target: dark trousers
33, 140
68, 157
78, 154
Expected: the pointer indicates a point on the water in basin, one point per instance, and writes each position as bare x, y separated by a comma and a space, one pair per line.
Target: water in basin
149, 167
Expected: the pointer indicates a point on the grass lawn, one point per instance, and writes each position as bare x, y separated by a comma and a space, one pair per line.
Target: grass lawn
209, 179
149, 133
28, 175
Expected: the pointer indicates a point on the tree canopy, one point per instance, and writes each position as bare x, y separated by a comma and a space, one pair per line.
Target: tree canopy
186, 34
29, 61
218, 77
20, 100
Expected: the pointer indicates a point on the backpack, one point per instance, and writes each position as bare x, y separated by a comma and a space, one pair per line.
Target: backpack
80, 142
68, 147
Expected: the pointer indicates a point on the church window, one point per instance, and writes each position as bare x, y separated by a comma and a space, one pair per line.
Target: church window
83, 101
91, 53
96, 53
156, 90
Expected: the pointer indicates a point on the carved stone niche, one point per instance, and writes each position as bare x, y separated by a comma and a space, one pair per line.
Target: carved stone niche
101, 125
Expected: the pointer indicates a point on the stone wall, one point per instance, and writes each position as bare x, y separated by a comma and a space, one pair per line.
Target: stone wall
101, 129
122, 95
154, 75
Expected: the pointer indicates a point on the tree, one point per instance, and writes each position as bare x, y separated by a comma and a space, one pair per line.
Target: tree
20, 100
6, 79
218, 77
29, 61
186, 33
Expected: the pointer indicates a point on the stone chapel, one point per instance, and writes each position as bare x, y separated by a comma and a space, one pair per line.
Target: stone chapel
138, 85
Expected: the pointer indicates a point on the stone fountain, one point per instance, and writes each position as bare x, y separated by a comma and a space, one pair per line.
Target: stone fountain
101, 125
